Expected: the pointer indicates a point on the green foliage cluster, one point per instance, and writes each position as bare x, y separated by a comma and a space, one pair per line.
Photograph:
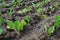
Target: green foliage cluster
1, 20
17, 25
36, 6
55, 26
1, 31
56, 4
46, 1
40, 3
2, 0
52, 8
10, 12
17, 2
27, 18
39, 10
27, 9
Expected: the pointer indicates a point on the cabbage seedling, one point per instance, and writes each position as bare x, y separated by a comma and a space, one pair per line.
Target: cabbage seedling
56, 25
39, 10
17, 25
52, 8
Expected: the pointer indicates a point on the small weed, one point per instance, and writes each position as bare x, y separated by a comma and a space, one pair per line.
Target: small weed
10, 12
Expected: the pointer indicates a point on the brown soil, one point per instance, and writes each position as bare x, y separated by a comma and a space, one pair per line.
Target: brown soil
33, 30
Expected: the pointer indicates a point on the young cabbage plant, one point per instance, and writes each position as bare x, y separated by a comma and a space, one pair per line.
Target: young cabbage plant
27, 9
22, 11
50, 30
36, 6
56, 4
52, 8
16, 25
40, 4
39, 10
55, 26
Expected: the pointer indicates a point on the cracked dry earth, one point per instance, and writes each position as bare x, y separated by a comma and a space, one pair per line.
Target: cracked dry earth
35, 29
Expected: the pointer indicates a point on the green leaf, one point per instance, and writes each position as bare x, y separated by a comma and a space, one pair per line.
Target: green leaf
56, 3
27, 18
1, 31
19, 2
57, 22
10, 24
23, 22
17, 25
24, 10
2, 0
39, 10
34, 5
56, 18
51, 30
28, 8
39, 4
1, 20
